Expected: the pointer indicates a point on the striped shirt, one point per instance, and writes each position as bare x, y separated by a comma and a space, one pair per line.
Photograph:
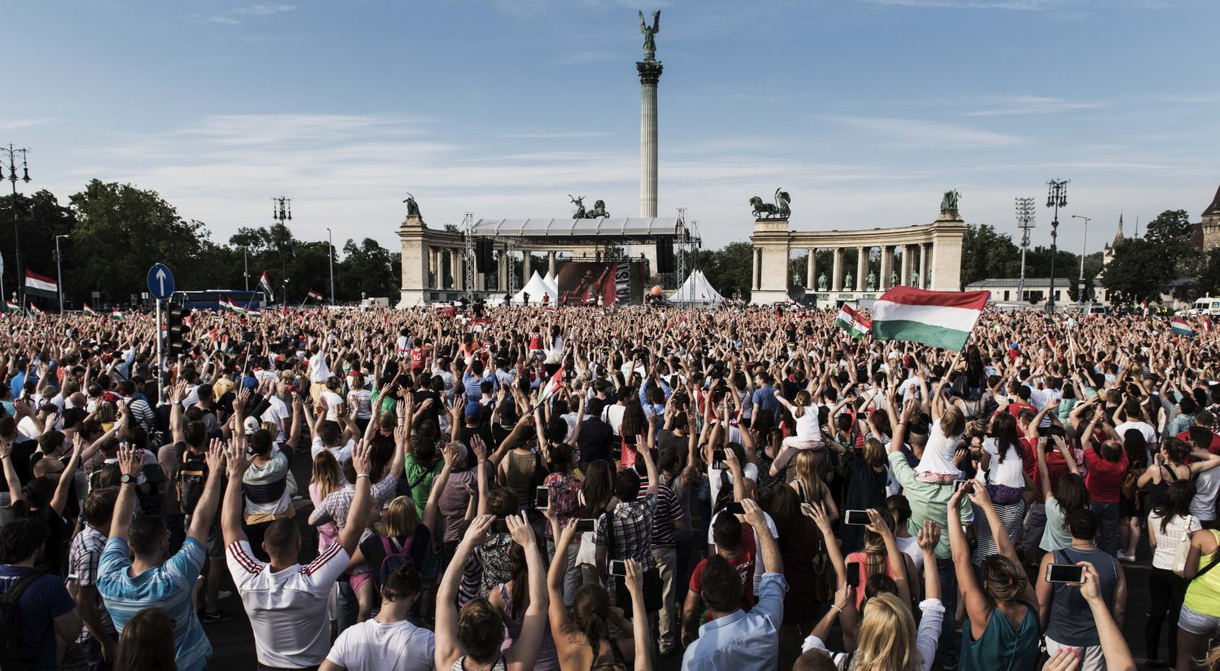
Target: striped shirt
83, 558
668, 511
167, 587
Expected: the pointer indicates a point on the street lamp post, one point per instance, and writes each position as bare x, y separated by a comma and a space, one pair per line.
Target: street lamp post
330, 246
281, 212
13, 162
1056, 198
1025, 221
1084, 247
245, 266
59, 273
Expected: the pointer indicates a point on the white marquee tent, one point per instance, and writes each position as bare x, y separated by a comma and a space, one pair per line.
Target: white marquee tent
552, 283
536, 288
696, 290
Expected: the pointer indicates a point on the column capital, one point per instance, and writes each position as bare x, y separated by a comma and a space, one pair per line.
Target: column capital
650, 72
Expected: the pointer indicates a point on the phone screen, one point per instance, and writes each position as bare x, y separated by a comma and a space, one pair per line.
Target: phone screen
542, 498
585, 526
618, 567
734, 508
853, 578
499, 526
856, 517
958, 484
1069, 573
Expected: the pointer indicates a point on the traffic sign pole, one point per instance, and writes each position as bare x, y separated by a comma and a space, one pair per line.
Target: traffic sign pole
160, 362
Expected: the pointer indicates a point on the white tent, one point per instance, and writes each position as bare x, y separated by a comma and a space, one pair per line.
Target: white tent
536, 288
552, 283
696, 290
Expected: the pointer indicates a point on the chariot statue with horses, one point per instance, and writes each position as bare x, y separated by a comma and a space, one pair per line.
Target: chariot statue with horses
597, 212
778, 210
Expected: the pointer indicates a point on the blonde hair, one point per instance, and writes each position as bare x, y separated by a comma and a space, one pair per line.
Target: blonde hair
400, 519
886, 641
326, 474
802, 399
874, 452
952, 422
808, 472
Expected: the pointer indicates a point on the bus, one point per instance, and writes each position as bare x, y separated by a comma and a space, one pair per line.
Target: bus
210, 299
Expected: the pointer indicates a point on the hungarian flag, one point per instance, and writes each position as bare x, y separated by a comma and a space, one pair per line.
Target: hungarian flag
552, 386
11, 306
265, 284
1182, 327
851, 321
37, 285
34, 309
315, 295
941, 319
89, 310
254, 312
118, 316
228, 304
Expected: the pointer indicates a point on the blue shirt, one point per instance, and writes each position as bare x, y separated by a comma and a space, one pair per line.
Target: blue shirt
167, 586
764, 396
43, 600
743, 641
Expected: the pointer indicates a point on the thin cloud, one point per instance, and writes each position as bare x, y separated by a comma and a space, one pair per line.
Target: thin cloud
225, 20
1013, 5
1017, 105
912, 133
264, 9
557, 135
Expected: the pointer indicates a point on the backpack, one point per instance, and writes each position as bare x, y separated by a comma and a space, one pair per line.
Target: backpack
392, 558
192, 476
15, 654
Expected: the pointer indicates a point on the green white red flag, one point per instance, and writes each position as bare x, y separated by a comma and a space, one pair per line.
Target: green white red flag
941, 319
852, 322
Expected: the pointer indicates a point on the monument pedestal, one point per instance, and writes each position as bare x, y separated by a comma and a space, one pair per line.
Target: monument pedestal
414, 287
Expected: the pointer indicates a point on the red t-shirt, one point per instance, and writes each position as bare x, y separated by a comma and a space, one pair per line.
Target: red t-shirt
1056, 467
1105, 478
535, 341
1214, 448
417, 358
1015, 409
744, 563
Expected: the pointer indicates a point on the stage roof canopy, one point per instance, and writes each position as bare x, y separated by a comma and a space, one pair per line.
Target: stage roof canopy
619, 229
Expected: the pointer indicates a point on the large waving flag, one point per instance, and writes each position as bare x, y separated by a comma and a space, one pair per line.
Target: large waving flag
315, 295
941, 319
1180, 326
11, 306
853, 322
89, 311
264, 283
37, 285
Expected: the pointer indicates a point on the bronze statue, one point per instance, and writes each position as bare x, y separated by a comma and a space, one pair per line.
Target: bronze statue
580, 207
822, 282
777, 210
650, 42
412, 206
598, 211
949, 202
871, 282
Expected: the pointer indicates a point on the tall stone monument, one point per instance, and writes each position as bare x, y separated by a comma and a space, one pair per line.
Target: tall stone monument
650, 74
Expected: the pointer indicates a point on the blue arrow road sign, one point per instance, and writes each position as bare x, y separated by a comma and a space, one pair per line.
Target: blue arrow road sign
160, 282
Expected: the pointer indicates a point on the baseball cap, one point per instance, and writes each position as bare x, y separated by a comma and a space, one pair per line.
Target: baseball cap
252, 425
473, 410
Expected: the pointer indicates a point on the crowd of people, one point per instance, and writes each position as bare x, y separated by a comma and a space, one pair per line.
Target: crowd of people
594, 489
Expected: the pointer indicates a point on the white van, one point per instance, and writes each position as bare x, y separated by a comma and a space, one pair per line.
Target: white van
1207, 306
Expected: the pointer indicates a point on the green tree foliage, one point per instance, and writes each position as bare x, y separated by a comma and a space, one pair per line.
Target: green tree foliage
987, 254
40, 218
367, 268
1138, 272
728, 268
1208, 283
120, 231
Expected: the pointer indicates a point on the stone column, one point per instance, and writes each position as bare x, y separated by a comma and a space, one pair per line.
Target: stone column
923, 266
456, 277
811, 270
887, 262
650, 75
861, 267
550, 263
525, 267
756, 271
836, 283
904, 278
502, 271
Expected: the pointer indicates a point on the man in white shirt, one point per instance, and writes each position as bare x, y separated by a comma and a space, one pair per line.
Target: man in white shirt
319, 372
1134, 420
286, 602
387, 642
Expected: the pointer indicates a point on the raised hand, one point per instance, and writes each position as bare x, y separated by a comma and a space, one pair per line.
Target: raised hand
521, 531
216, 454
362, 458
928, 536
237, 461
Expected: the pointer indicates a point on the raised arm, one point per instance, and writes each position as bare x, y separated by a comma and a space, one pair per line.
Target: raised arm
354, 528
205, 508
447, 648
524, 651
895, 557
230, 511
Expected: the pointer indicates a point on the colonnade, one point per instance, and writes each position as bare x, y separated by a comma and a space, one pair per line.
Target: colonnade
908, 265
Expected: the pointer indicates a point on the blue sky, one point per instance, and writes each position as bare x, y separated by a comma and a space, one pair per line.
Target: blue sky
864, 110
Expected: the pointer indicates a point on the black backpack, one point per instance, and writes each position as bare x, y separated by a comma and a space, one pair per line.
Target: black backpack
192, 476
15, 654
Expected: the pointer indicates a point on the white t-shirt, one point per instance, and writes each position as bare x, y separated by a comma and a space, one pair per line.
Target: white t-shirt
1010, 473
750, 471
910, 547
938, 453
374, 646
342, 454
319, 372
1167, 541
807, 427
334, 403
278, 412
1143, 427
287, 610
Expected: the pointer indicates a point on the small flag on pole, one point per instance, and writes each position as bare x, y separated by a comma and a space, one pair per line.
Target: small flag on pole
34, 309
254, 312
89, 311
941, 319
1182, 327
852, 322
264, 283
118, 316
315, 295
11, 306
552, 386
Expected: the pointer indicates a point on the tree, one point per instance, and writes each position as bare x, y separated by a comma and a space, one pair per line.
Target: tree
1208, 283
1170, 230
987, 254
728, 269
121, 231
367, 268
1138, 272
40, 218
